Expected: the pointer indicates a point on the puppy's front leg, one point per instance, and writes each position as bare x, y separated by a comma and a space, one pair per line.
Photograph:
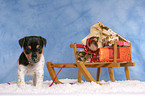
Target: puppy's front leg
21, 80
39, 78
34, 79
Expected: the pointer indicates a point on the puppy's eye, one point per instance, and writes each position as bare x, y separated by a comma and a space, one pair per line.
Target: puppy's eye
27, 50
39, 50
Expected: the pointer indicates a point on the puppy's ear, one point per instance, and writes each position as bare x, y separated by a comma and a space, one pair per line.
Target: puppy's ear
21, 42
43, 40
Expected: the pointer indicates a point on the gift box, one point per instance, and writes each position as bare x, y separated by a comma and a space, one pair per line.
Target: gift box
106, 54
122, 43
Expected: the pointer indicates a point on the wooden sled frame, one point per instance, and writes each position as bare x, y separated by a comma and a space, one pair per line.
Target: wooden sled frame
83, 67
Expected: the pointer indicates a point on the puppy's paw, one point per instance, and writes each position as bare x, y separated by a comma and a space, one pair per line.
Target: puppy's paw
39, 85
21, 85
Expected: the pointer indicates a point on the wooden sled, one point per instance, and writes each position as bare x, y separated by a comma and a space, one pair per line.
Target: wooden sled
83, 66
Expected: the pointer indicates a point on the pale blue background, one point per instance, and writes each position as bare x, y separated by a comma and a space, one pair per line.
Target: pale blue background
63, 22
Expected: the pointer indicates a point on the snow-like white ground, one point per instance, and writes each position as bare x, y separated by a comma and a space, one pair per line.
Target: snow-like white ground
117, 88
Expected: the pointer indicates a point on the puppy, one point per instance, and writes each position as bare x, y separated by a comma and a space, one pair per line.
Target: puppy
31, 60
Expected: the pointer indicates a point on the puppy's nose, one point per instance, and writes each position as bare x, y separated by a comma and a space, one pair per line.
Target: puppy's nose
34, 60
34, 57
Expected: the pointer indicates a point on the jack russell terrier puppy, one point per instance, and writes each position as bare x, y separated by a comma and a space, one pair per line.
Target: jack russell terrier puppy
31, 60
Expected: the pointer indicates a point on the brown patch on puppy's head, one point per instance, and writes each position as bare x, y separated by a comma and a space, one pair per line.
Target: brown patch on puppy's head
33, 47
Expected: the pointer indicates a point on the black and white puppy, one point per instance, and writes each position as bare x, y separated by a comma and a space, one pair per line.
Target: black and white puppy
31, 60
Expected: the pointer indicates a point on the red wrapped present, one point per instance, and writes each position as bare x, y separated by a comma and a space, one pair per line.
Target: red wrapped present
106, 54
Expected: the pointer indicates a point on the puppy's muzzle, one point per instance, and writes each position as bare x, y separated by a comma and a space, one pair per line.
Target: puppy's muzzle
34, 58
